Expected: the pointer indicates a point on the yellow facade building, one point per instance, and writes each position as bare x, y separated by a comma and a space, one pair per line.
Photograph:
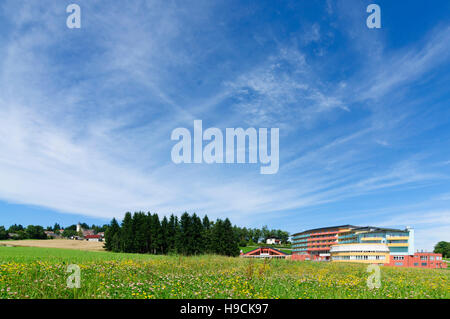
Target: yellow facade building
360, 252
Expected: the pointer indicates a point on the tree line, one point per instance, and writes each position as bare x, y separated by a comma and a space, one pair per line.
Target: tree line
188, 235
147, 233
252, 236
20, 232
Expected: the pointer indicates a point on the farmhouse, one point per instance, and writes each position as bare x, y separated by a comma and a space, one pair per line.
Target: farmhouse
51, 234
89, 234
93, 238
273, 241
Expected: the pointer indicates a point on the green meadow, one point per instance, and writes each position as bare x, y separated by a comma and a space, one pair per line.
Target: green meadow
29, 272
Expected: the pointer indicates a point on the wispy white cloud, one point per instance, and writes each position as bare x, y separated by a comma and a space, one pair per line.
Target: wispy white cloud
313, 34
95, 138
430, 226
283, 89
408, 65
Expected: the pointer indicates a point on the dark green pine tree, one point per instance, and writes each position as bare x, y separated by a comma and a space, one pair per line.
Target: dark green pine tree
110, 236
231, 244
148, 227
156, 235
116, 244
216, 237
173, 234
198, 242
127, 234
164, 236
207, 234
185, 239
224, 241
140, 233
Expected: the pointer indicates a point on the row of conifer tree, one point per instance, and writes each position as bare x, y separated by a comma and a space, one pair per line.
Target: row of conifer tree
188, 235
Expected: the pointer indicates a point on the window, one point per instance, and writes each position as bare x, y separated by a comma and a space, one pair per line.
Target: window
399, 257
399, 264
431, 257
423, 257
416, 264
424, 264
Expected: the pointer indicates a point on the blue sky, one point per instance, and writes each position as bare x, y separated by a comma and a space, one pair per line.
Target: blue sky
364, 115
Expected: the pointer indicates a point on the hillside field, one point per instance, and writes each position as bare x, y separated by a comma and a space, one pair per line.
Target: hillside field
56, 243
33, 272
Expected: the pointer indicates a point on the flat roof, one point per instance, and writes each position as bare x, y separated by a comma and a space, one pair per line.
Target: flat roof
381, 228
331, 227
352, 227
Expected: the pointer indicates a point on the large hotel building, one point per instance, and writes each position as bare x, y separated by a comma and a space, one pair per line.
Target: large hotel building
348, 243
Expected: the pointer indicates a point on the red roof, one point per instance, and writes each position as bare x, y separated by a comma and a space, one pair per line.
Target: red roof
265, 250
92, 236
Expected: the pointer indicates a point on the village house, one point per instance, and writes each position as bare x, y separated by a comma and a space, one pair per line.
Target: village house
93, 238
273, 241
51, 234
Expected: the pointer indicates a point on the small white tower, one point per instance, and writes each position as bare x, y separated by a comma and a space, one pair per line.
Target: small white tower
78, 227
411, 245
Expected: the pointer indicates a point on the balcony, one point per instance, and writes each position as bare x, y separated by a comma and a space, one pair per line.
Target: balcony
328, 243
372, 238
325, 233
397, 237
347, 236
321, 238
398, 244
318, 249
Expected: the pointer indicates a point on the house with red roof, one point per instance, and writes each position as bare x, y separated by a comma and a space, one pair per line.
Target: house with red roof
93, 238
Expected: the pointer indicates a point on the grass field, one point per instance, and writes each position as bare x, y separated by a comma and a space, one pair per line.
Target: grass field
30, 272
